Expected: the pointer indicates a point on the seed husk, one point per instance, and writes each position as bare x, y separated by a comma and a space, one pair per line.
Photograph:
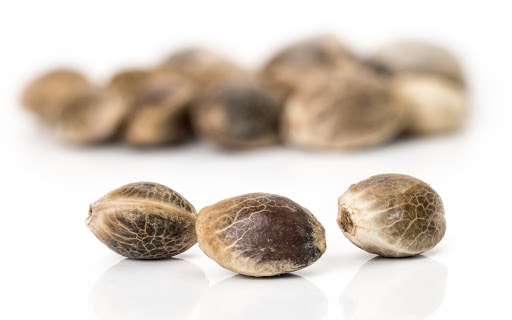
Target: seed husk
160, 112
435, 104
392, 215
260, 234
429, 80
91, 117
297, 65
47, 94
144, 220
348, 109
205, 68
410, 56
237, 114
126, 84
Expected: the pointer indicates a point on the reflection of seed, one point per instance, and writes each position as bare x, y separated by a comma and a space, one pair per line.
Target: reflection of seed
46, 95
352, 108
392, 215
260, 234
237, 114
144, 220
384, 289
134, 289
286, 297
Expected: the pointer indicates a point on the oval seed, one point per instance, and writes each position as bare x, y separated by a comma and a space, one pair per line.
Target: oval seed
392, 215
144, 220
260, 234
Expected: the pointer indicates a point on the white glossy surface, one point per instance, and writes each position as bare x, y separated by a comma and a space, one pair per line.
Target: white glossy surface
52, 267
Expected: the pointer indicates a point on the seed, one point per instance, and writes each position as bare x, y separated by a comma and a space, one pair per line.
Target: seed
348, 109
418, 57
126, 84
46, 95
260, 234
91, 117
435, 104
203, 67
237, 114
429, 81
144, 220
160, 113
158, 102
392, 215
294, 66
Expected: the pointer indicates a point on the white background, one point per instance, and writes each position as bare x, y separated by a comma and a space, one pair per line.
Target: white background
52, 267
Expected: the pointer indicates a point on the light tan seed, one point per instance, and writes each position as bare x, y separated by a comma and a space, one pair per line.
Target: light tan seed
435, 104
203, 67
418, 57
348, 109
392, 215
91, 117
46, 95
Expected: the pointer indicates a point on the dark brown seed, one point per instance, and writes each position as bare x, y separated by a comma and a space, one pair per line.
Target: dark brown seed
237, 114
144, 220
260, 234
392, 215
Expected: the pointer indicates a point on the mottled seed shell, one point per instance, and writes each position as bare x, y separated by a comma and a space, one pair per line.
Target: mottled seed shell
127, 83
90, 117
410, 56
237, 114
435, 104
46, 95
144, 220
392, 215
351, 108
203, 67
160, 113
260, 234
296, 65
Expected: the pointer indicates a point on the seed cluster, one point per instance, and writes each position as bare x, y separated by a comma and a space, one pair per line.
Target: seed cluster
315, 93
261, 234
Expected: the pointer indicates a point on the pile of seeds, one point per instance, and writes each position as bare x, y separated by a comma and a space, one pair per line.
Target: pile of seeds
262, 234
315, 93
